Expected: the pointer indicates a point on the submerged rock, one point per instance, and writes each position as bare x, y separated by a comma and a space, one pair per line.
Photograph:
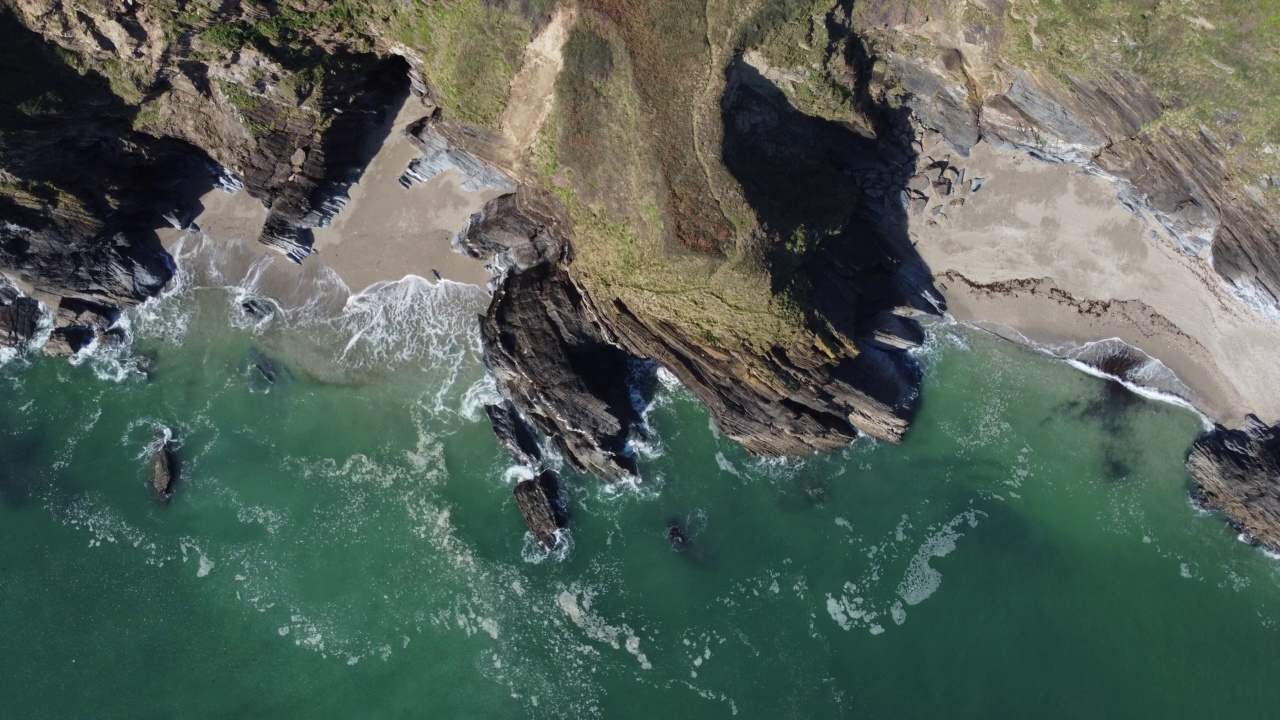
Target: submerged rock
677, 536
1238, 472
540, 505
264, 371
163, 466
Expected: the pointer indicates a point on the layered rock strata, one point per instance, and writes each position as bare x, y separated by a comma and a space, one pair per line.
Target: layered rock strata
540, 505
954, 81
567, 362
1238, 472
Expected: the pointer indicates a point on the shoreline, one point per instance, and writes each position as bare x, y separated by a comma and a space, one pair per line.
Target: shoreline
1049, 252
388, 232
384, 233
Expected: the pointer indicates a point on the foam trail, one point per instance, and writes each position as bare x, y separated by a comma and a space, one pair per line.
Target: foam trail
1146, 392
1150, 368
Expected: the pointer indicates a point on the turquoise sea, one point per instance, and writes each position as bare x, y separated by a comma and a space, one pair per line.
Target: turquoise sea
342, 543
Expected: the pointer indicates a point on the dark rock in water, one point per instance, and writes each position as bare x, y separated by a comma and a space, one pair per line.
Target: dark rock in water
1238, 472
514, 433
265, 371
164, 469
257, 307
677, 536
539, 503
1115, 468
573, 388
78, 323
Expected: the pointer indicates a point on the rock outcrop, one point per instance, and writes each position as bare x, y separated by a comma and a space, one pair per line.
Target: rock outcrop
19, 316
539, 503
163, 469
955, 81
514, 433
567, 362
1238, 472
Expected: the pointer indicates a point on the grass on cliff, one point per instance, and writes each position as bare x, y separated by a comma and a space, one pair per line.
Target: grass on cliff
597, 153
797, 46
1215, 63
470, 48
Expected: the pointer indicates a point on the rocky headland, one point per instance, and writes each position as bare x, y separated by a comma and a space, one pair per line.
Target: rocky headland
762, 201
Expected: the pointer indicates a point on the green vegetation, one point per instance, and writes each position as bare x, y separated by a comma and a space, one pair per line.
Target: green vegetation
595, 154
798, 47
242, 99
470, 48
1216, 63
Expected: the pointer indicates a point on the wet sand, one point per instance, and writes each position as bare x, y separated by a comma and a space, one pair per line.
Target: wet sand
1045, 253
385, 232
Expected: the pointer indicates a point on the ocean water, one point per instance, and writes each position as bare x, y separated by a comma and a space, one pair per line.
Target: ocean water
342, 542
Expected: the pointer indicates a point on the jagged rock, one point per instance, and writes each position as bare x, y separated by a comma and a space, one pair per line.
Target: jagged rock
163, 466
440, 155
519, 230
304, 169
564, 361
78, 323
19, 316
514, 433
555, 366
1238, 472
540, 505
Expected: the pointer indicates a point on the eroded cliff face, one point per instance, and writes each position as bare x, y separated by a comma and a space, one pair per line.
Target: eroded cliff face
720, 191
1205, 181
960, 76
124, 116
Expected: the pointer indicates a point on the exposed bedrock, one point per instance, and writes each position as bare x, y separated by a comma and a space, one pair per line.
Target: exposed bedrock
565, 357
305, 164
164, 466
553, 363
1238, 472
1109, 124
568, 365
540, 506
514, 433
82, 191
19, 316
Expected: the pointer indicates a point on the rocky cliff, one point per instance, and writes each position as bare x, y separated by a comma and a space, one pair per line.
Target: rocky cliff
1238, 472
128, 113
723, 191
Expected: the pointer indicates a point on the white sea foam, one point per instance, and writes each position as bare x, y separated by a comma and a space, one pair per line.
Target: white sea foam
575, 603
1152, 379
1143, 391
534, 554
482, 392
723, 463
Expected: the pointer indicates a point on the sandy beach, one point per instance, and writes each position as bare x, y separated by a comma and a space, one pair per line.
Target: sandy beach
385, 232
1046, 253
